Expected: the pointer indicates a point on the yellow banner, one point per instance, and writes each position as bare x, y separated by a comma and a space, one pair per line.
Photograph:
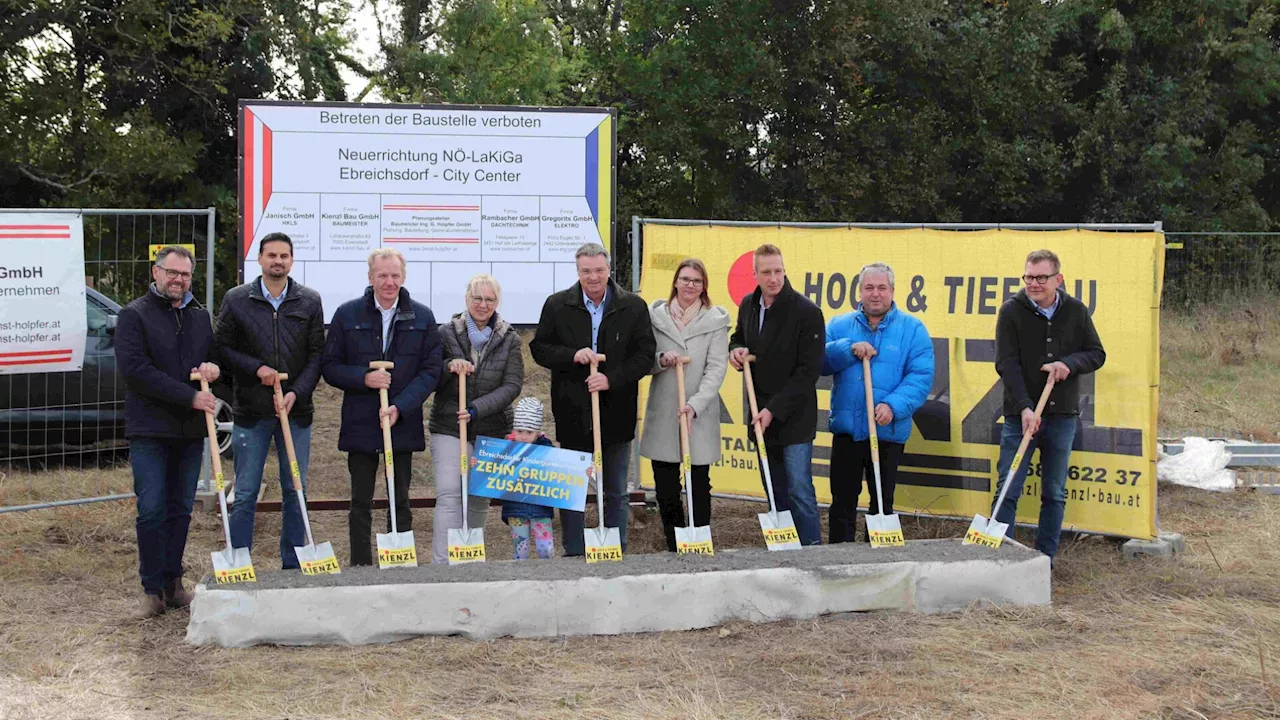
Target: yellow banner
955, 283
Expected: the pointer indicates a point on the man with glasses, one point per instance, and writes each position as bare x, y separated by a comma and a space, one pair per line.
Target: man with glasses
1040, 333
271, 325
162, 338
595, 316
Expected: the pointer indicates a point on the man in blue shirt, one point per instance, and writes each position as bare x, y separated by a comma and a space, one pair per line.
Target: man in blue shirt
269, 325
901, 375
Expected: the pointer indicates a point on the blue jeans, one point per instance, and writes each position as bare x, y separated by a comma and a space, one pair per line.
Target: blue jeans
616, 513
1054, 441
791, 467
165, 474
251, 442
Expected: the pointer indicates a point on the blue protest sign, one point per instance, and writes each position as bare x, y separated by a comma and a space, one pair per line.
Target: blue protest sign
537, 474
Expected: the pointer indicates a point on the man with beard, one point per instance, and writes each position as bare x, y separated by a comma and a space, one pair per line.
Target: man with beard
901, 375
162, 338
267, 326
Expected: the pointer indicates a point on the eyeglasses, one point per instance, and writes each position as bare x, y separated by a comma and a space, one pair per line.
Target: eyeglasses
483, 300
690, 281
175, 274
1037, 279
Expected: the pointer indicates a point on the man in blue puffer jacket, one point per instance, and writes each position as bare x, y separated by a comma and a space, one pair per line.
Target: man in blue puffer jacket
901, 375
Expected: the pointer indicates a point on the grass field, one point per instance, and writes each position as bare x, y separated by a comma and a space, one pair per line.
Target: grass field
1192, 638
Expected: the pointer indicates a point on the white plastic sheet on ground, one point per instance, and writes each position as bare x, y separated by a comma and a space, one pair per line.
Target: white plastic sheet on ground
1201, 464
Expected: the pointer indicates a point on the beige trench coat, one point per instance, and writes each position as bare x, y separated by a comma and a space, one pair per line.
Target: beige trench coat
706, 342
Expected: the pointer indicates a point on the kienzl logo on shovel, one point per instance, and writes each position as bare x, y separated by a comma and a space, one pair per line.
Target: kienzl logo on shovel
395, 549
883, 530
231, 565
990, 533
465, 545
312, 558
691, 540
778, 527
603, 544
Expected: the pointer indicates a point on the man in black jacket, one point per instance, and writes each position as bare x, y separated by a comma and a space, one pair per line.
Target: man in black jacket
787, 334
595, 316
383, 324
1042, 332
162, 338
267, 326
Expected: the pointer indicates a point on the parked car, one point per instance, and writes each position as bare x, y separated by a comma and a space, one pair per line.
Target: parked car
49, 413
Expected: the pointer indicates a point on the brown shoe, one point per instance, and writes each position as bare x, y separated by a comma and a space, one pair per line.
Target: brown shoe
176, 596
152, 605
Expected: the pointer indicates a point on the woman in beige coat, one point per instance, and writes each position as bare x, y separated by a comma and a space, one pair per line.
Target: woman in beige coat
685, 324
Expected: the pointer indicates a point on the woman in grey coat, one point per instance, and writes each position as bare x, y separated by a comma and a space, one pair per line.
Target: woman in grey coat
485, 347
685, 324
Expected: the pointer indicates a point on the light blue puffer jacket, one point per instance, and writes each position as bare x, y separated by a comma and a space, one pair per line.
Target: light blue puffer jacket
901, 372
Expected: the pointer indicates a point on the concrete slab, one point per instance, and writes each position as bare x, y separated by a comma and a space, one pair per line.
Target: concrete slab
644, 593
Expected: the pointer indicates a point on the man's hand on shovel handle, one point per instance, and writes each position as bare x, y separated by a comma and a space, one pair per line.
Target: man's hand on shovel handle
584, 356
458, 365
377, 380
1030, 423
764, 418
204, 402
1057, 370
289, 399
737, 356
391, 413
597, 383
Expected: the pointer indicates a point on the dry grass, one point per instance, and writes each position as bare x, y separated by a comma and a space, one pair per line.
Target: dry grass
1220, 369
1150, 639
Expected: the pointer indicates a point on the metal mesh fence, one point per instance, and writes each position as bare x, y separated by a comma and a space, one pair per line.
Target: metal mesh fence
1204, 267
76, 419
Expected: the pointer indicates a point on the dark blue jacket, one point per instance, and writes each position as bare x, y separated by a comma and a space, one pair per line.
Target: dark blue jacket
528, 511
354, 341
157, 345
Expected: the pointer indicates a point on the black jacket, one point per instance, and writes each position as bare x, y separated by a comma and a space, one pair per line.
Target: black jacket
625, 339
788, 363
251, 333
157, 345
355, 340
1026, 340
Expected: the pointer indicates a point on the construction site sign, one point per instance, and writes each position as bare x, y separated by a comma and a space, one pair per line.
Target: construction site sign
459, 190
42, 321
955, 282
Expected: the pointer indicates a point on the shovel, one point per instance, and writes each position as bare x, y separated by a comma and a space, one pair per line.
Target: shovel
778, 527
990, 533
602, 543
395, 549
465, 545
884, 530
314, 559
690, 540
231, 565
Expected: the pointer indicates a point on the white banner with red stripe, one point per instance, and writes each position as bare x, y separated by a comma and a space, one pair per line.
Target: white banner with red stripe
42, 298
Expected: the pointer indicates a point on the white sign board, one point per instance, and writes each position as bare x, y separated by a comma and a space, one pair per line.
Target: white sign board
460, 190
42, 311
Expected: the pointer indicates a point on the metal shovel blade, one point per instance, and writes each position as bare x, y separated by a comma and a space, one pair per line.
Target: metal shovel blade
885, 531
466, 546
397, 550
233, 565
779, 530
694, 540
987, 533
318, 559
603, 544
